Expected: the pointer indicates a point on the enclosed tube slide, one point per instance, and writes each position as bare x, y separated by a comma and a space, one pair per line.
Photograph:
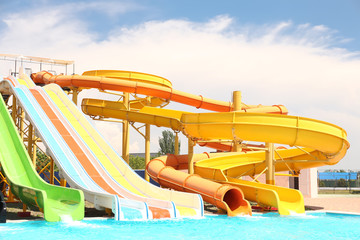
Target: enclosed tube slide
287, 201
224, 196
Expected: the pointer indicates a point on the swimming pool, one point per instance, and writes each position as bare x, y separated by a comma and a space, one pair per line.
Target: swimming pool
259, 226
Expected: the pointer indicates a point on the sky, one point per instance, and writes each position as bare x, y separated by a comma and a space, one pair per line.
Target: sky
302, 54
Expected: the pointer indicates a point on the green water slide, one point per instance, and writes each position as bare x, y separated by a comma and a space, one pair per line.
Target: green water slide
55, 202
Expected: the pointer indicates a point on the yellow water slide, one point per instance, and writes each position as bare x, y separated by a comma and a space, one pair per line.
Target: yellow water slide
324, 143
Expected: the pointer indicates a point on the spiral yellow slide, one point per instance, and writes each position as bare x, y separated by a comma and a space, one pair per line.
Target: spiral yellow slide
321, 143
325, 144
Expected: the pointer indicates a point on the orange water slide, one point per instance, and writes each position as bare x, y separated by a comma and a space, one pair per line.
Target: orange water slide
141, 83
165, 170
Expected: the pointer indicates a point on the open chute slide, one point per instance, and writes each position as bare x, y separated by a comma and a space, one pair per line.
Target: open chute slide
85, 168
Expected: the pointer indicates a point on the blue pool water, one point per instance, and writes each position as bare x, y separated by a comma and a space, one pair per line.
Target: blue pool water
265, 226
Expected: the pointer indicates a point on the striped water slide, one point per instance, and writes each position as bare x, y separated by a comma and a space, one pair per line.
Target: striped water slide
73, 172
185, 204
54, 201
158, 208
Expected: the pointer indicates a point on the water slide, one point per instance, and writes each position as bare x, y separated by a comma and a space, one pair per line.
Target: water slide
69, 166
54, 201
323, 144
217, 193
327, 142
145, 84
130, 184
68, 119
286, 200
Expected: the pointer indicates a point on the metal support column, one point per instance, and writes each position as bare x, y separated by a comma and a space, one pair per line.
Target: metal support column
51, 171
75, 93
176, 143
190, 156
21, 123
126, 143
34, 149
30, 143
236, 107
269, 159
11, 197
14, 109
62, 182
147, 149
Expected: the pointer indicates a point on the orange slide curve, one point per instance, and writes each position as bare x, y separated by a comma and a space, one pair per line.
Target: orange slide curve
133, 82
165, 171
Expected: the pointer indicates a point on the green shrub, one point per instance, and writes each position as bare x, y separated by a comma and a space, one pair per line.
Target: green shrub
136, 162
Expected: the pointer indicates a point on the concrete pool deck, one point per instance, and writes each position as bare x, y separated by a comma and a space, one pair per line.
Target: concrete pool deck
335, 202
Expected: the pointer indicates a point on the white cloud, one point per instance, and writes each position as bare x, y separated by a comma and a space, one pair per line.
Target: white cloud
45, 30
295, 65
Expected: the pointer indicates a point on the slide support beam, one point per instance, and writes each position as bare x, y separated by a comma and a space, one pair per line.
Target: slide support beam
125, 145
269, 159
147, 149
236, 107
190, 156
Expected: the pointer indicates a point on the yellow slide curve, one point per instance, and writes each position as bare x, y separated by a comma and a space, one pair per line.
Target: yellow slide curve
325, 142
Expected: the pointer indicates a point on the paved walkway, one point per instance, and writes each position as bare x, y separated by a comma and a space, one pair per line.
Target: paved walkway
343, 203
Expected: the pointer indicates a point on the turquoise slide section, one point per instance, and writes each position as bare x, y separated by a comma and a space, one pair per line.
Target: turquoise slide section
26, 184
